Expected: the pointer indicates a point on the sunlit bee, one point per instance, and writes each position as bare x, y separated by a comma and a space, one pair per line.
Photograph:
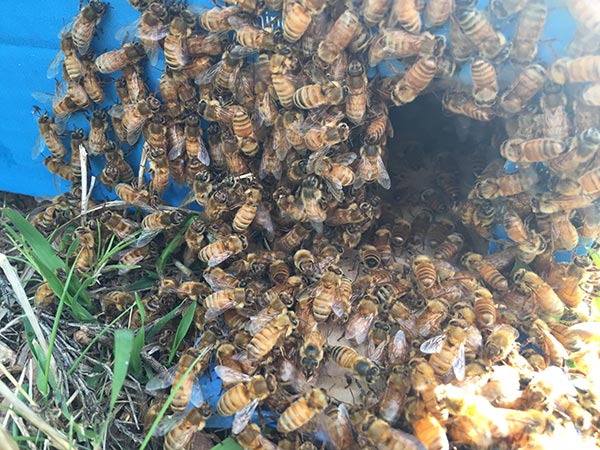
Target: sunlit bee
485, 309
339, 36
406, 14
450, 247
317, 95
117, 59
490, 275
481, 32
252, 439
297, 17
424, 271
529, 31
534, 150
218, 251
500, 343
217, 19
485, 84
381, 435
460, 103
349, 358
545, 297
302, 410
58, 167
586, 13
85, 24
371, 167
180, 436
263, 342
506, 185
415, 80
523, 88
49, 136
447, 352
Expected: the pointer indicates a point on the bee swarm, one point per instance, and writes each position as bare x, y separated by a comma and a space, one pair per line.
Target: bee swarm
330, 251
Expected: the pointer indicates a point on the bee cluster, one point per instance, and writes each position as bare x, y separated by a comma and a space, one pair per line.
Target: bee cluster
442, 347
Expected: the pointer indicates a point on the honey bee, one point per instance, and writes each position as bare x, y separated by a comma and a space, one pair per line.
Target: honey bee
293, 238
378, 340
485, 84
447, 351
117, 59
218, 251
244, 131
118, 225
243, 398
58, 167
359, 325
317, 95
49, 135
570, 290
585, 13
264, 340
297, 17
424, 383
161, 220
437, 13
431, 318
506, 185
115, 157
175, 44
534, 150
545, 297
415, 80
529, 31
401, 232
246, 214
424, 271
480, 31
90, 81
395, 395
490, 275
320, 138
371, 167
460, 103
500, 343
523, 88
338, 37
132, 258
217, 19
311, 195
252, 439
450, 247
381, 435
302, 410
356, 101
406, 15
68, 55
84, 24
180, 436
312, 351
135, 116
44, 295
133, 196
485, 309
348, 358
430, 432
564, 233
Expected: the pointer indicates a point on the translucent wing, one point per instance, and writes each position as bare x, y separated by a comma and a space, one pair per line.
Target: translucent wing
219, 258
146, 237
229, 375
126, 32
240, 51
54, 67
263, 218
133, 136
43, 97
154, 33
458, 366
340, 308
176, 150
374, 353
167, 424
203, 154
208, 76
212, 313
335, 188
345, 159
38, 147
216, 283
433, 345
358, 327
161, 380
67, 26
399, 346
117, 111
243, 417
383, 176
197, 396
260, 321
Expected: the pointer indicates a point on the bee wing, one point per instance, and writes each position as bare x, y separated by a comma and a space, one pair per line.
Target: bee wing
176, 150
67, 26
335, 188
374, 353
384, 177
127, 31
243, 417
167, 424
238, 22
117, 111
358, 327
399, 346
161, 380
340, 307
38, 147
317, 226
240, 51
281, 145
212, 313
289, 373
208, 76
216, 283
146, 237
433, 345
133, 136
203, 154
458, 365
155, 33
345, 159
43, 97
197, 396
229, 375
263, 218
219, 258
189, 198
260, 321
334, 429
54, 67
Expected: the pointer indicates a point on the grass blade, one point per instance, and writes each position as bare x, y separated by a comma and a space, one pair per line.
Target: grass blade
155, 328
227, 444
138, 340
182, 329
123, 349
172, 246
